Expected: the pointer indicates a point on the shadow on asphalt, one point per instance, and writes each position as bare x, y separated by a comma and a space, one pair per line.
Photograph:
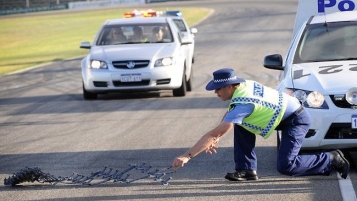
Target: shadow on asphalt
202, 176
202, 167
74, 103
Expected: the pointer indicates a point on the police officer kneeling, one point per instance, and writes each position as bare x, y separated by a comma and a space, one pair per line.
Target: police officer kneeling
255, 109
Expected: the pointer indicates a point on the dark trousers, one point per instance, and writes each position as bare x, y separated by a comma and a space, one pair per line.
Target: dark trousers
294, 129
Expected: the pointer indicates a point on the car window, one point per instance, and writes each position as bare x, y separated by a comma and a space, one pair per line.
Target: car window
135, 33
334, 41
180, 25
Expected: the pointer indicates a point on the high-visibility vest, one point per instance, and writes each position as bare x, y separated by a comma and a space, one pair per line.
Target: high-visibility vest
269, 107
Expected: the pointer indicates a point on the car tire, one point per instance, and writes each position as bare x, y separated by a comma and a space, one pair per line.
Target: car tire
88, 95
278, 140
189, 81
182, 90
193, 59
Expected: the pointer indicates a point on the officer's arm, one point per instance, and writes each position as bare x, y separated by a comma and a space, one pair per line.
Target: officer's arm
203, 144
224, 116
210, 138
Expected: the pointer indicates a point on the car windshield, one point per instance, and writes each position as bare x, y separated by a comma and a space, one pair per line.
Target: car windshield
327, 42
134, 34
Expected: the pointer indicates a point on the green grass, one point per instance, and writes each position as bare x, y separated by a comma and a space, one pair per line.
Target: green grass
33, 40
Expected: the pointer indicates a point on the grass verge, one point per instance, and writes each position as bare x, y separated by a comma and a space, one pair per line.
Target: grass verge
33, 40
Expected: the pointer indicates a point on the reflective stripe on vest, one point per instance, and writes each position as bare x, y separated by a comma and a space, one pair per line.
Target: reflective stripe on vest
270, 113
277, 108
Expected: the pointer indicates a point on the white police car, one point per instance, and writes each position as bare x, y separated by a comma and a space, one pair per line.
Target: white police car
126, 55
320, 69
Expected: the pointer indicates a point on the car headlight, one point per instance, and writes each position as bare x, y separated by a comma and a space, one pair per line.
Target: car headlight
315, 99
164, 62
96, 64
309, 99
351, 96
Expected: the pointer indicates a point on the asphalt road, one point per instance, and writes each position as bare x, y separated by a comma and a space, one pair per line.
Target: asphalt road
45, 123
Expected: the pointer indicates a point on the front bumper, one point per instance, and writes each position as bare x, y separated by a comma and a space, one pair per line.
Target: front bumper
152, 79
331, 128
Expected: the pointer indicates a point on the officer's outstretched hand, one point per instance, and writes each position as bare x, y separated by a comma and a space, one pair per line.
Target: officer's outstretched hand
212, 147
179, 161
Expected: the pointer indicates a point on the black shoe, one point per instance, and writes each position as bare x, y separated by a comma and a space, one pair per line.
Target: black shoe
340, 163
242, 175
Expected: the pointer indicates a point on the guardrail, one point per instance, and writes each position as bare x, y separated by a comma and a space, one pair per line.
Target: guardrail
75, 5
90, 4
33, 9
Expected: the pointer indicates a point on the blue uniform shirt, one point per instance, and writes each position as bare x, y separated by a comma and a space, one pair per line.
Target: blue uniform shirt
240, 111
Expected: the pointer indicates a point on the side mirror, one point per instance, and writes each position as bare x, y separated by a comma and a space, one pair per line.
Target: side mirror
85, 45
193, 30
185, 41
274, 61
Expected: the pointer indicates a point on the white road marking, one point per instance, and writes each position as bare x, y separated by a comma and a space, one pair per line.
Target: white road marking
346, 187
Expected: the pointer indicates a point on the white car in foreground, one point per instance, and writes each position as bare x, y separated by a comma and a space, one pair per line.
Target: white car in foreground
320, 69
137, 64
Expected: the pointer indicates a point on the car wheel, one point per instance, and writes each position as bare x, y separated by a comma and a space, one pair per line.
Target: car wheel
193, 59
88, 95
189, 81
182, 90
278, 140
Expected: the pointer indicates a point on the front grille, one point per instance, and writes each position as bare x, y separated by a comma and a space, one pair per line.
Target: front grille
128, 84
340, 101
341, 131
137, 64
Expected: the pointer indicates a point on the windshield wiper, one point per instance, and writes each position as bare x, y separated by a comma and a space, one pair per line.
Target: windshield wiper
319, 60
137, 42
346, 59
339, 59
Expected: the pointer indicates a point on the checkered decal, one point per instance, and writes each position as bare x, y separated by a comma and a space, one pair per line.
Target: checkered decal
277, 108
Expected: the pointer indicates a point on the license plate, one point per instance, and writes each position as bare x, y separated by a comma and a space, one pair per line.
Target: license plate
130, 78
354, 121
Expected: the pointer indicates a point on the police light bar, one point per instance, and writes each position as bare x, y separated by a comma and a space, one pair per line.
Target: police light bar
135, 13
129, 14
173, 13
149, 13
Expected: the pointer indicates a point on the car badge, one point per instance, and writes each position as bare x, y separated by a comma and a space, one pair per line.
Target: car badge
130, 64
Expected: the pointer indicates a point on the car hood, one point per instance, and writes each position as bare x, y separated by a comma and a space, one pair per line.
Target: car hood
132, 52
325, 77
